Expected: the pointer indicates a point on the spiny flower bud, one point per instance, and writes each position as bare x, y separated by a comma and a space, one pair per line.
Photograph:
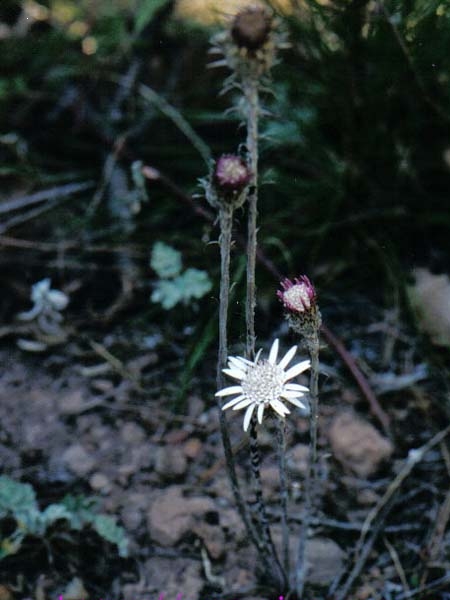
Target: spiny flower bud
227, 183
231, 173
300, 303
249, 45
251, 28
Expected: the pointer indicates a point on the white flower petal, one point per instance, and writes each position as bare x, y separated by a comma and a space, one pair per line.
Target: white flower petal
257, 356
40, 289
235, 373
233, 402
248, 416
240, 361
279, 407
273, 354
291, 394
297, 369
287, 357
296, 402
58, 299
260, 414
243, 404
296, 387
29, 315
234, 389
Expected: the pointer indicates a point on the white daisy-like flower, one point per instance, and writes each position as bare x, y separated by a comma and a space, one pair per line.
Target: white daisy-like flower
264, 383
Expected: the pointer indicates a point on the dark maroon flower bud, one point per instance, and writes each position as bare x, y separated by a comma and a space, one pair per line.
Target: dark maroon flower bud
251, 28
231, 174
300, 303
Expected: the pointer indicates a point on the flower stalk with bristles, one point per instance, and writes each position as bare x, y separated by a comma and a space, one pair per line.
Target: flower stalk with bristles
302, 313
249, 46
225, 190
249, 49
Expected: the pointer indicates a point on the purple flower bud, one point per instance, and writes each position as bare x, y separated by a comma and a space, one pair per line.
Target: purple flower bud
299, 295
231, 173
300, 302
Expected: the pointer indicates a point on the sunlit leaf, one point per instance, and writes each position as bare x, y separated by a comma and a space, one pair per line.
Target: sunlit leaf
146, 12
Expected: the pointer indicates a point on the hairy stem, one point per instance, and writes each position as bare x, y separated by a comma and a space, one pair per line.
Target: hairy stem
269, 547
226, 221
281, 437
251, 103
311, 478
251, 97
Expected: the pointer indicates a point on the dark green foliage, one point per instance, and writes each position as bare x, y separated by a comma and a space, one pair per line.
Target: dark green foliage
356, 153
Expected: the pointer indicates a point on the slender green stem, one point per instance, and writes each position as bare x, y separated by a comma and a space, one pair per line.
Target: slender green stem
281, 437
226, 221
251, 95
311, 478
269, 547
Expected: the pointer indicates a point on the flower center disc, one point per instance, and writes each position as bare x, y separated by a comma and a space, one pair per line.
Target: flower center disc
263, 383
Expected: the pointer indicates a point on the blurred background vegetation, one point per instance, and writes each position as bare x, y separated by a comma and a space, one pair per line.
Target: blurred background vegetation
355, 158
108, 116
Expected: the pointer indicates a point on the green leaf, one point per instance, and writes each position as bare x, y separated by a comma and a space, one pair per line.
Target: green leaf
146, 12
168, 293
17, 498
56, 512
194, 284
80, 508
107, 528
165, 260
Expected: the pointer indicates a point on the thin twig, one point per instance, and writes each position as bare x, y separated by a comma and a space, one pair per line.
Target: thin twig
55, 193
433, 585
124, 88
414, 457
322, 521
65, 246
380, 511
149, 95
397, 564
434, 546
109, 166
362, 382
21, 218
116, 364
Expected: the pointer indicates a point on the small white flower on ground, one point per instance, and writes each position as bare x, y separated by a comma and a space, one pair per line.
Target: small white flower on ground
264, 383
47, 302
